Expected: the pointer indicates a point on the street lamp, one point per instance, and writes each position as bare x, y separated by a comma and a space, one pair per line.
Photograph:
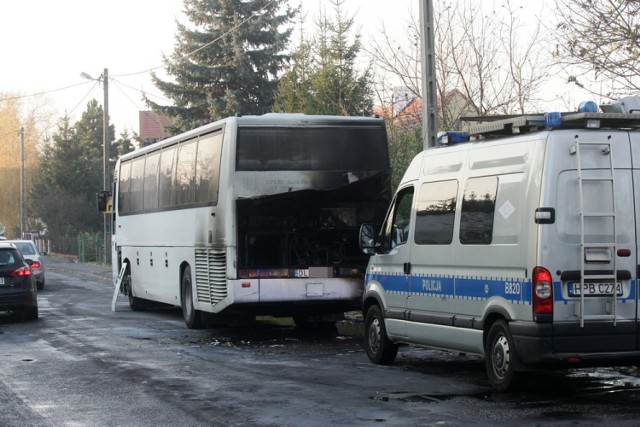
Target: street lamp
104, 78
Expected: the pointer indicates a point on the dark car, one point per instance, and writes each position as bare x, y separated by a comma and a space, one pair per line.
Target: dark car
30, 252
18, 289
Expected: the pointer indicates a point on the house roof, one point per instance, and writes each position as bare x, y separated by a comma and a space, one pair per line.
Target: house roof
152, 125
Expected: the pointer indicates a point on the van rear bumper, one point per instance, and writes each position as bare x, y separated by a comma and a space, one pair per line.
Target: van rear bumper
596, 344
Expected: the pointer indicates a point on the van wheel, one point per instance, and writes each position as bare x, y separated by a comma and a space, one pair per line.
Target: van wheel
500, 356
378, 346
192, 317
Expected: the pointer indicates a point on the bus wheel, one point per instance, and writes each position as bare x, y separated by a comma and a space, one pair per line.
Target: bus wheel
378, 346
500, 356
135, 303
192, 317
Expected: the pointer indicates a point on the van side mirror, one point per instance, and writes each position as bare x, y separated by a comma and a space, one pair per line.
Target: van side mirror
367, 239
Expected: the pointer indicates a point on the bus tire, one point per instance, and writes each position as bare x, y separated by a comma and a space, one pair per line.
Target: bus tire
192, 317
136, 304
379, 348
500, 356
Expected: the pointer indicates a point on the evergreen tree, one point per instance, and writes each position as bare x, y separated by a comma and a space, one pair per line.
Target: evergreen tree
71, 173
90, 138
323, 77
59, 196
226, 61
295, 85
122, 145
404, 143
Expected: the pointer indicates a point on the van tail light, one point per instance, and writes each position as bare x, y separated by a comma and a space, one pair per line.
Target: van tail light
22, 271
542, 291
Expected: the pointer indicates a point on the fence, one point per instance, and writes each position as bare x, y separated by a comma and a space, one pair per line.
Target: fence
87, 247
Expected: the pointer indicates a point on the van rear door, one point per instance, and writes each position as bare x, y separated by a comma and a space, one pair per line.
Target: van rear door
634, 139
591, 240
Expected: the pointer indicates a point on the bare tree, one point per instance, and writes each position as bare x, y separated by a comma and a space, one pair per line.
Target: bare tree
599, 41
489, 59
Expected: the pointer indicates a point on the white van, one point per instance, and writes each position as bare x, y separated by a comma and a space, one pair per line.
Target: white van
520, 246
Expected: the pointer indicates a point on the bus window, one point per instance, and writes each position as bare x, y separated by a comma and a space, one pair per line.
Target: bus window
135, 188
185, 169
166, 191
151, 181
208, 168
124, 204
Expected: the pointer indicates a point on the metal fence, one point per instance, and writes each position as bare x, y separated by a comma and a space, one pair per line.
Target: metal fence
87, 247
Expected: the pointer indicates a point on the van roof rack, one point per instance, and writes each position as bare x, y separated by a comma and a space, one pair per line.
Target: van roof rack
496, 126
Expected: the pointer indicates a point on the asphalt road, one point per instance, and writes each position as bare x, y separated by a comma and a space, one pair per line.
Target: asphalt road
83, 365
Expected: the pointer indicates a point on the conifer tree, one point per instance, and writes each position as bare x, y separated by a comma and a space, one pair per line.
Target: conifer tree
323, 77
226, 60
71, 174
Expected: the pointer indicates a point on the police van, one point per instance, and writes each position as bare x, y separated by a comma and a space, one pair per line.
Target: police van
516, 241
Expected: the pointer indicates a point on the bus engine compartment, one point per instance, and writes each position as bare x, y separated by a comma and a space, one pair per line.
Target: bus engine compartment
308, 233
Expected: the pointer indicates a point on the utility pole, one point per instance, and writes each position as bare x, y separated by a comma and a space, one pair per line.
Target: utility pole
107, 171
429, 97
23, 184
105, 156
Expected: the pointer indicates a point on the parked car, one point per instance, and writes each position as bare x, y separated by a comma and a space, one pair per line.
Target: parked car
30, 252
18, 288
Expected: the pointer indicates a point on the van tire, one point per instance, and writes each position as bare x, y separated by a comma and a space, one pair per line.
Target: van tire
192, 317
500, 356
378, 346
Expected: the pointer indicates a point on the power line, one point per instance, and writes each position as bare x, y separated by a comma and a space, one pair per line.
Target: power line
144, 92
235, 27
11, 98
95, 83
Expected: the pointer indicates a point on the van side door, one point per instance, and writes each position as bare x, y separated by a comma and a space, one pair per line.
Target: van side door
388, 273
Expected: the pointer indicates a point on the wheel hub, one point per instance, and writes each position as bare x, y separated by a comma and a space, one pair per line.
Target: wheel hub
501, 358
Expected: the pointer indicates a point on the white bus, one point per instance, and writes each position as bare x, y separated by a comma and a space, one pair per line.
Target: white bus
253, 215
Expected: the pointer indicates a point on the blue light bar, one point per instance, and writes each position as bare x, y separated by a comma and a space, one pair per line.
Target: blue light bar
553, 119
588, 107
452, 137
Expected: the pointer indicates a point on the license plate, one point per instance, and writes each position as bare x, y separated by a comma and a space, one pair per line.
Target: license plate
594, 289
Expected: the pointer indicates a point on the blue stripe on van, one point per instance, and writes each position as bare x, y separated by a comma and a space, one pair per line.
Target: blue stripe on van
516, 289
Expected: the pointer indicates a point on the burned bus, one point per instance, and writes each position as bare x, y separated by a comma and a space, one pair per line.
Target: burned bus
251, 215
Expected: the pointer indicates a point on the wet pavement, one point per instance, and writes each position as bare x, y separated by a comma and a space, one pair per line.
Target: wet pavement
82, 364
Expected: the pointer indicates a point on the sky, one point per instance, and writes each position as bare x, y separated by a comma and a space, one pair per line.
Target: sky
46, 45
